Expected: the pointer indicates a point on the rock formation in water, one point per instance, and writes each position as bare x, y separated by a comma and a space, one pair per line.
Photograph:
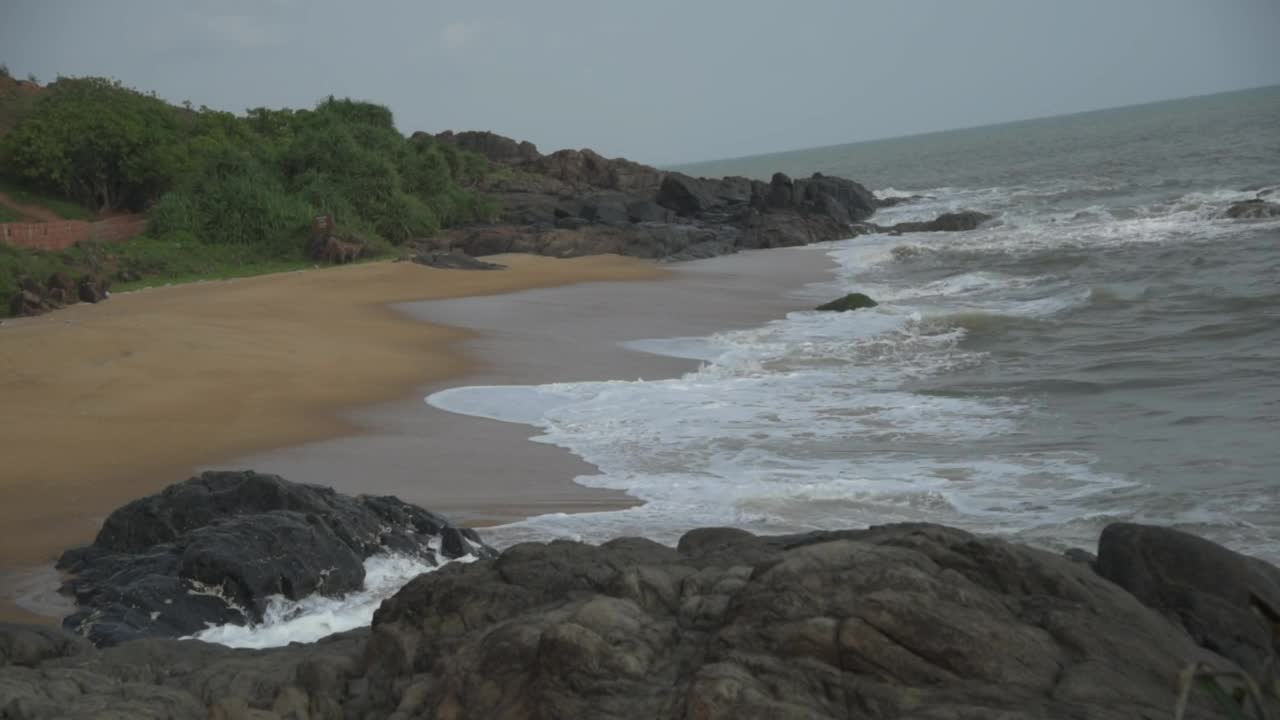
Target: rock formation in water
852, 301
1257, 209
576, 202
213, 550
899, 621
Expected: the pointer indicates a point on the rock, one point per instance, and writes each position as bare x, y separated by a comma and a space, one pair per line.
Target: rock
30, 645
946, 222
898, 621
1256, 209
92, 289
60, 281
608, 209
454, 261
683, 195
899, 200
25, 303
852, 301
1201, 586
640, 211
495, 147
330, 246
207, 551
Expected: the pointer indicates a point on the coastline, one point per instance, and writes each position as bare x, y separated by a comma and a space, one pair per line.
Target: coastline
484, 472
106, 403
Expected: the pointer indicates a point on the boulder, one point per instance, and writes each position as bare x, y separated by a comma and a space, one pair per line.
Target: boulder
25, 303
852, 301
898, 621
207, 551
1256, 209
92, 288
1227, 602
683, 195
946, 222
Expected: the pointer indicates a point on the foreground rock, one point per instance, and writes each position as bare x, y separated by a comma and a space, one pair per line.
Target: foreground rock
216, 548
1227, 602
916, 621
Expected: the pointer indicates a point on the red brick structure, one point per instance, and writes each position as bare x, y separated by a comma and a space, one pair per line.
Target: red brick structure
65, 233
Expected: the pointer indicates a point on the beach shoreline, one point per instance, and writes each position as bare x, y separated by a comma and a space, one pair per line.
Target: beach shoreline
107, 403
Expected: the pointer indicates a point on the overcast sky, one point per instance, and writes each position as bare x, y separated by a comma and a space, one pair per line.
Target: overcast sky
661, 81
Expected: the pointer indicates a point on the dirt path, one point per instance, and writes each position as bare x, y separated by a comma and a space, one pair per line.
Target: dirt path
31, 213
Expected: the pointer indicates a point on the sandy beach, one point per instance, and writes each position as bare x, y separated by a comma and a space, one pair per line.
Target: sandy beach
106, 403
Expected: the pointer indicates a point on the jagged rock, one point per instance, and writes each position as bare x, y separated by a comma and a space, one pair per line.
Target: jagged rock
1256, 209
60, 281
852, 301
899, 621
1203, 587
495, 147
207, 551
454, 261
683, 195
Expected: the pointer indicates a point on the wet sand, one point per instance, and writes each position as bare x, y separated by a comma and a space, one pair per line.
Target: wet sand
106, 403
484, 472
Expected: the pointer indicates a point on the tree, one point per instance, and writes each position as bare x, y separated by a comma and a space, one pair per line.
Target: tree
93, 140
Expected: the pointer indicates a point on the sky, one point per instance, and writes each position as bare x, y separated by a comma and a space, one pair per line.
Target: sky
660, 81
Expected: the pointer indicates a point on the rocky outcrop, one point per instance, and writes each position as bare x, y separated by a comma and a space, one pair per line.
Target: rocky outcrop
946, 222
209, 551
577, 202
496, 148
891, 622
1227, 602
1256, 209
852, 301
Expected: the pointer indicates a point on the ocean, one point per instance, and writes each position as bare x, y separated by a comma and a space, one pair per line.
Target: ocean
1106, 349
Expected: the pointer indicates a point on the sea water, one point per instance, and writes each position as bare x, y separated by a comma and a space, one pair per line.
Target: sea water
1106, 349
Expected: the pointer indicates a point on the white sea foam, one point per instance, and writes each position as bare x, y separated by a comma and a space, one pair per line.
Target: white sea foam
311, 618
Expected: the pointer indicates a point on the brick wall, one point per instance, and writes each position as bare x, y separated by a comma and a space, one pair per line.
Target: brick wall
65, 233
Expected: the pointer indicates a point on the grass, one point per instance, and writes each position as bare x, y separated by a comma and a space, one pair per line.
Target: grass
154, 262
63, 208
7, 215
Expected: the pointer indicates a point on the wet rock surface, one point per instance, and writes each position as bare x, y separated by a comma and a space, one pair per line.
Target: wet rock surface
918, 621
216, 548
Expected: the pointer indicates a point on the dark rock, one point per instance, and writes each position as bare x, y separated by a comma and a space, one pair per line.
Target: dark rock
207, 551
128, 275
1256, 209
495, 147
453, 261
852, 301
93, 289
899, 621
60, 281
1205, 588
31, 285
639, 211
30, 645
899, 200
946, 222
683, 195
1080, 555
608, 209
25, 303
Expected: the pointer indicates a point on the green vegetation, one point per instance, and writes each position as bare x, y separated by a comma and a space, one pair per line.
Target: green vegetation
4, 71
64, 209
8, 215
226, 194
